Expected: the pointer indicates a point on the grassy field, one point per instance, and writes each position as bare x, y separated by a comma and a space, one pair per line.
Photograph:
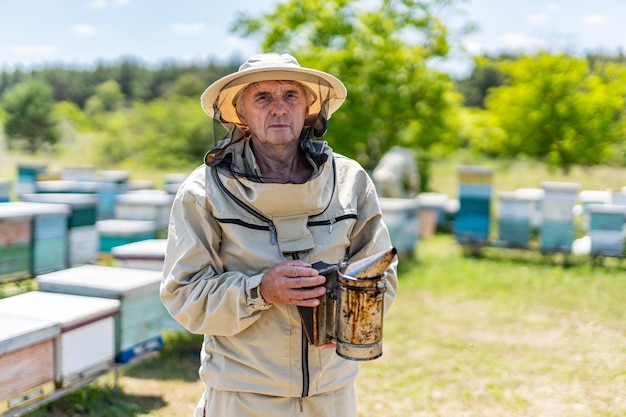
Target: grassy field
506, 334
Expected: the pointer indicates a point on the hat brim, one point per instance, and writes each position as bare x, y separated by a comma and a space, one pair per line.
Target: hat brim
221, 93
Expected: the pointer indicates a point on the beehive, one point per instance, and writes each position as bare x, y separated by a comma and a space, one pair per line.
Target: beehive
472, 221
557, 226
82, 233
50, 242
400, 216
514, 219
26, 360
606, 229
116, 232
86, 344
138, 327
15, 242
145, 254
152, 205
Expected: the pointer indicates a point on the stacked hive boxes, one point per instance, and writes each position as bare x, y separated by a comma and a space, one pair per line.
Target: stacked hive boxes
400, 216
49, 238
557, 226
85, 345
15, 242
514, 219
431, 214
145, 254
152, 205
139, 324
116, 232
5, 190
27, 175
26, 360
472, 221
606, 223
83, 236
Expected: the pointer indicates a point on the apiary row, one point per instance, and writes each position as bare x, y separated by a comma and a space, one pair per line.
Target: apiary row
80, 323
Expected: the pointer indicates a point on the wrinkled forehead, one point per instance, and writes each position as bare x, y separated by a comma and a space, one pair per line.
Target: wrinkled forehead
273, 87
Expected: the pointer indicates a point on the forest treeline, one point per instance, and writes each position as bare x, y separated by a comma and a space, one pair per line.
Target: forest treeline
563, 109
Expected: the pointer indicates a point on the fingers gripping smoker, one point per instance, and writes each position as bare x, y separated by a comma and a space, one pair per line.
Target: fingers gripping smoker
351, 312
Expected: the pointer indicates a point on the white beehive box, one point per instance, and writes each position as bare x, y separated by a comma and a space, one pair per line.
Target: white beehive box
138, 327
145, 254
86, 344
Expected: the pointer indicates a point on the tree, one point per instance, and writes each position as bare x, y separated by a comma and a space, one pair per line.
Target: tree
554, 108
30, 121
381, 52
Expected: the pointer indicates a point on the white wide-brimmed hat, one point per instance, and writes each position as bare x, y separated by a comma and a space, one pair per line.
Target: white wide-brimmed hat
272, 66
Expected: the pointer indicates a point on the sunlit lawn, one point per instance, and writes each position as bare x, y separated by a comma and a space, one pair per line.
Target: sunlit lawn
508, 334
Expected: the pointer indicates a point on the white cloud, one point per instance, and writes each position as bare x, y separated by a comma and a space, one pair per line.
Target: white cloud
519, 41
103, 4
552, 8
538, 18
594, 19
186, 28
82, 29
99, 4
32, 51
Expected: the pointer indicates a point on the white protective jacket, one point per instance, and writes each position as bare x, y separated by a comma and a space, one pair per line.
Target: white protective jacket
226, 231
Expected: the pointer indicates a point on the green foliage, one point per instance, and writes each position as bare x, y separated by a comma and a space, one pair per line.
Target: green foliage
381, 53
170, 133
30, 122
554, 107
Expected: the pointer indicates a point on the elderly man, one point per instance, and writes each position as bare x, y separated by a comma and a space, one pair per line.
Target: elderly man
270, 200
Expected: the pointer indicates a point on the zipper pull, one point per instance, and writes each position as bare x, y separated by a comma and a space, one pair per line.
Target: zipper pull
273, 239
330, 225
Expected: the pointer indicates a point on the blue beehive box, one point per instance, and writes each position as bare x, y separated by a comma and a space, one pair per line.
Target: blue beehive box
116, 232
514, 227
472, 221
606, 229
557, 230
138, 327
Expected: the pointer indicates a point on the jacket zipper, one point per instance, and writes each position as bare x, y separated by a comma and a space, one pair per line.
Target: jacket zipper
305, 355
331, 222
270, 224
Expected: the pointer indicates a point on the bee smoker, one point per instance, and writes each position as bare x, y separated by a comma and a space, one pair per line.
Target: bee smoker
351, 312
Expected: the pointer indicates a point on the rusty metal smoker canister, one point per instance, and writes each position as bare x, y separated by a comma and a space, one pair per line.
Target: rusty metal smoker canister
359, 329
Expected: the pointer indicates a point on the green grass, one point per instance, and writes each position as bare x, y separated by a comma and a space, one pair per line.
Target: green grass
506, 334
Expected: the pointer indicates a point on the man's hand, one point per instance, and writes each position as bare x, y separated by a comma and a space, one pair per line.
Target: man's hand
293, 282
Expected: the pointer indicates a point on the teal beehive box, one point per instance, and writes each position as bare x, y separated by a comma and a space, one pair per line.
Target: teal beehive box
116, 232
50, 241
138, 328
15, 242
82, 233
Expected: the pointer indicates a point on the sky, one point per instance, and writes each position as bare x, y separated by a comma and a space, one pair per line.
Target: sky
35, 33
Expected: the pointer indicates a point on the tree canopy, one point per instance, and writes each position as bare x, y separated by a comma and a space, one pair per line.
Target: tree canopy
381, 51
555, 107
30, 121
